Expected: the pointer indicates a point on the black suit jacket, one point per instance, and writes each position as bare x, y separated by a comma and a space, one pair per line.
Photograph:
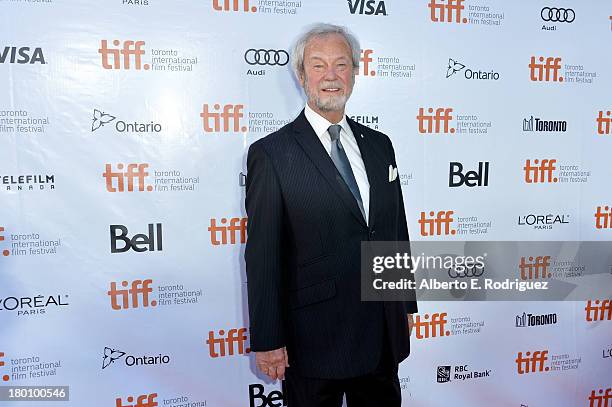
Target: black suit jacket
303, 253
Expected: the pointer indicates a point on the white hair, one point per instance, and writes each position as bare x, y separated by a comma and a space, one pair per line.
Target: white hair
297, 51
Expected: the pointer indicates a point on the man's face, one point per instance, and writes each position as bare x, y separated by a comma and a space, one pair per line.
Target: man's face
328, 72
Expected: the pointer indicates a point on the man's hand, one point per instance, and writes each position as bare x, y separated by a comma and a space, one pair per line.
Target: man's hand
272, 363
410, 324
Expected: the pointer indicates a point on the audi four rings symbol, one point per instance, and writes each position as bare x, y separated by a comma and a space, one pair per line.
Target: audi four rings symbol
558, 15
473, 271
266, 57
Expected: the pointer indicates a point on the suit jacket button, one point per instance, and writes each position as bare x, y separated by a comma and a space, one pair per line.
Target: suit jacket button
372, 233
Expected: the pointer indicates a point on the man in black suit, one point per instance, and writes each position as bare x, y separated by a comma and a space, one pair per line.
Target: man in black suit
315, 190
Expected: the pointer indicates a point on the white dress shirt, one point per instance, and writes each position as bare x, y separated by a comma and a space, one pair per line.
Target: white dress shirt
347, 138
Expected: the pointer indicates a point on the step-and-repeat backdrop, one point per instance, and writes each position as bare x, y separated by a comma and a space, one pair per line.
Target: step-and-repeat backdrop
124, 127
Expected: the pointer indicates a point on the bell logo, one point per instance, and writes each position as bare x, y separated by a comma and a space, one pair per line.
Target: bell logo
541, 71
117, 55
231, 115
430, 123
134, 171
426, 328
598, 310
22, 55
604, 123
433, 225
131, 297
534, 269
224, 5
274, 399
227, 344
5, 378
5, 252
139, 243
541, 171
532, 363
603, 217
479, 178
447, 12
367, 7
236, 226
602, 399
365, 60
146, 400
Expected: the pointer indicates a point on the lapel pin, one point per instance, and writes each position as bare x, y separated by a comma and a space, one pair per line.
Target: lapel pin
361, 135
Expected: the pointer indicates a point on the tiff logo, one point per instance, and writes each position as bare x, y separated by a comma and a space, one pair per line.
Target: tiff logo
598, 310
532, 363
233, 5
115, 179
145, 400
237, 227
427, 328
131, 297
231, 115
431, 123
603, 217
119, 55
433, 225
541, 72
604, 123
5, 252
366, 59
534, 269
540, 172
445, 12
602, 400
5, 378
234, 342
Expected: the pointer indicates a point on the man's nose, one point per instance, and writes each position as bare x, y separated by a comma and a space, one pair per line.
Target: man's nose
330, 73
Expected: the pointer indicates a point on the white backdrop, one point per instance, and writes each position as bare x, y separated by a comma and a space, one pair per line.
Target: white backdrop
100, 137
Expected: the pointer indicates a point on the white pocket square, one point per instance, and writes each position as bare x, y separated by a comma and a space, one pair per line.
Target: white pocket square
392, 173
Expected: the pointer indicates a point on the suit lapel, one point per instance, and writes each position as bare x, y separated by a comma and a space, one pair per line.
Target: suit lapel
310, 143
369, 161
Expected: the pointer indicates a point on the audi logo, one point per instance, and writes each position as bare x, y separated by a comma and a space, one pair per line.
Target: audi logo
473, 271
558, 15
266, 57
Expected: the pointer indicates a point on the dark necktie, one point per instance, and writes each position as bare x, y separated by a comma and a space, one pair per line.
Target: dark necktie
338, 156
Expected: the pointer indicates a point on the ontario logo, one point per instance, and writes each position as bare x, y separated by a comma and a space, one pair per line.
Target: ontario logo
110, 356
101, 118
455, 67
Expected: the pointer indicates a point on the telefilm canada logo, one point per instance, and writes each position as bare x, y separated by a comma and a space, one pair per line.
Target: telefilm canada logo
28, 182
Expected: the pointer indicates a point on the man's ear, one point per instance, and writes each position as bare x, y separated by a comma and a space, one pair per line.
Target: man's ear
301, 78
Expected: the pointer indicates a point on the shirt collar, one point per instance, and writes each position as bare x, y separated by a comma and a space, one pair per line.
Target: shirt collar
320, 124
